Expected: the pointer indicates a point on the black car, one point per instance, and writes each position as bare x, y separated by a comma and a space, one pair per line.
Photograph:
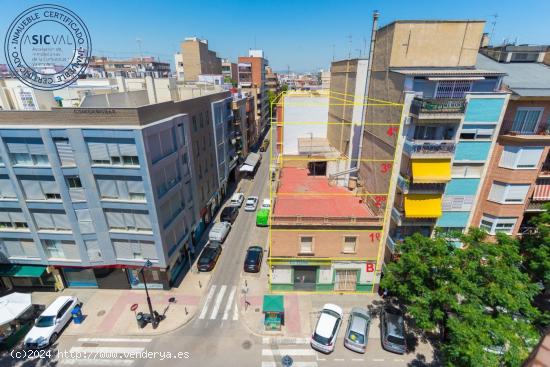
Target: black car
209, 257
229, 214
253, 260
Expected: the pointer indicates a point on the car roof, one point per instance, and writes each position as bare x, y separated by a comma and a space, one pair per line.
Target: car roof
220, 226
252, 198
54, 307
237, 195
325, 325
395, 324
266, 201
229, 209
359, 320
255, 248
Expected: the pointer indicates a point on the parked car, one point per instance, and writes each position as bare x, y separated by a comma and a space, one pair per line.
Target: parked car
357, 333
253, 259
251, 204
262, 218
209, 257
326, 331
392, 329
237, 199
266, 204
229, 214
49, 324
265, 145
219, 232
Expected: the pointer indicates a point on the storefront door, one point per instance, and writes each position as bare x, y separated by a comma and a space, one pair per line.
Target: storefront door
305, 278
80, 278
346, 280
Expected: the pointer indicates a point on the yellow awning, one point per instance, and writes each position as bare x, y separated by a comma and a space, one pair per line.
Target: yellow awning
431, 171
422, 206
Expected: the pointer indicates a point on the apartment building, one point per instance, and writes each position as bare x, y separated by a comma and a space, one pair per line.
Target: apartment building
180, 71
517, 183
230, 72
89, 193
324, 238
137, 67
252, 79
198, 59
436, 147
271, 80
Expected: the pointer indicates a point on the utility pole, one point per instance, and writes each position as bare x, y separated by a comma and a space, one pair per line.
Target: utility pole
349, 50
493, 23
333, 54
139, 41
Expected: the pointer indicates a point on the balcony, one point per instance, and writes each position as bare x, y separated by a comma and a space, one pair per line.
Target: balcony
429, 148
539, 133
535, 206
398, 216
392, 244
404, 183
326, 221
438, 108
545, 170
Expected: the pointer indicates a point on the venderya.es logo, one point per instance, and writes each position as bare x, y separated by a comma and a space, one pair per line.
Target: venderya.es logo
47, 47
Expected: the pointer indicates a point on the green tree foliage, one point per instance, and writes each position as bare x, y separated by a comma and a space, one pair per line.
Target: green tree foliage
536, 248
476, 297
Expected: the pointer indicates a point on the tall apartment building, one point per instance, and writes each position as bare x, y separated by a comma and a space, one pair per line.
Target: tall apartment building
324, 238
517, 183
87, 194
229, 71
271, 80
437, 147
198, 59
252, 80
137, 67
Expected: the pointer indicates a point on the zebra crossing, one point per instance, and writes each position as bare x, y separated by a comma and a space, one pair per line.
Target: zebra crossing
220, 298
274, 349
104, 352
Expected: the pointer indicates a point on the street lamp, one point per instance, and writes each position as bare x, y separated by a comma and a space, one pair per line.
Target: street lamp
153, 314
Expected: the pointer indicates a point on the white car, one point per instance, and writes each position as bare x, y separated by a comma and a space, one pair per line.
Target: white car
266, 204
251, 204
326, 331
49, 324
237, 200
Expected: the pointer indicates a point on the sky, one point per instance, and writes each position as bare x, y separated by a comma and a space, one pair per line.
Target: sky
300, 35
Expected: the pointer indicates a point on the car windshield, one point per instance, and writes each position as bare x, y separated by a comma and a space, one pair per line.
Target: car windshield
206, 257
320, 339
45, 321
396, 340
252, 256
356, 337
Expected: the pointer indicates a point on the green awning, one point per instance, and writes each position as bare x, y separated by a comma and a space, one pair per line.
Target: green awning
14, 270
273, 303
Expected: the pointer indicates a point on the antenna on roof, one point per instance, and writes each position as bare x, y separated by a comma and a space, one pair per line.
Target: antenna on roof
493, 23
139, 41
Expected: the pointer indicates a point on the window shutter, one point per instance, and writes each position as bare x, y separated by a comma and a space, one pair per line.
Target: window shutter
517, 193
32, 189
13, 247
122, 189
143, 221
61, 221
70, 249
123, 249
98, 151
497, 192
135, 187
129, 149
148, 250
529, 157
6, 188
93, 250
38, 149
508, 158
43, 220
115, 219
113, 150
4, 216
65, 152
18, 148
29, 248
17, 216
49, 186
107, 188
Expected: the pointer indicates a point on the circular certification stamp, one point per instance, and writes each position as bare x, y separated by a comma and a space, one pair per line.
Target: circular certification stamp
47, 47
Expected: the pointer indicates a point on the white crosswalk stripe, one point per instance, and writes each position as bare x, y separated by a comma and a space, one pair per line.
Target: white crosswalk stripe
106, 351
220, 297
277, 347
207, 303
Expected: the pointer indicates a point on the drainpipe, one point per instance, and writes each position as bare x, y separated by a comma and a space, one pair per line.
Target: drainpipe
375, 15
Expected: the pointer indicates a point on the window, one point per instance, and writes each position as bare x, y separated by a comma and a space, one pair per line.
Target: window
64, 151
135, 250
194, 119
12, 219
19, 248
520, 157
350, 243
27, 152
508, 193
306, 245
74, 182
497, 224
526, 120
39, 187
472, 133
466, 170
452, 89
113, 152
457, 202
130, 160
51, 220
128, 220
54, 249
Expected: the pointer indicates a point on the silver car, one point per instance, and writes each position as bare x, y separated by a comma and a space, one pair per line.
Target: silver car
357, 333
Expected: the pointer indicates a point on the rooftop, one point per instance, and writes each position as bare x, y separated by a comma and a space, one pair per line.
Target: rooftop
448, 71
524, 79
315, 197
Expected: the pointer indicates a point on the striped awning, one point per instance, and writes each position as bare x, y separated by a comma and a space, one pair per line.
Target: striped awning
542, 190
422, 206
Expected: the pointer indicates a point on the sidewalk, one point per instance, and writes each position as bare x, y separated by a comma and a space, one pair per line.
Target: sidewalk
107, 311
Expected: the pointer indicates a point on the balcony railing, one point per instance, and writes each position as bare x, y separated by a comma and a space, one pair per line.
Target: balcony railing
429, 147
324, 221
436, 105
405, 184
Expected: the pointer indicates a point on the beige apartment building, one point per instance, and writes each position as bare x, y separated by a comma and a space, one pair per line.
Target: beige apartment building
198, 59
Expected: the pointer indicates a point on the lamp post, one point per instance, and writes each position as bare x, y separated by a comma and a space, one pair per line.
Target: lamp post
154, 319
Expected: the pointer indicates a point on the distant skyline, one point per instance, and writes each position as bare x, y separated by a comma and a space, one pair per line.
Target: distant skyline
301, 35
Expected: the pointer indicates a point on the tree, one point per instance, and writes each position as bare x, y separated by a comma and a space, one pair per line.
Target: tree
476, 297
536, 248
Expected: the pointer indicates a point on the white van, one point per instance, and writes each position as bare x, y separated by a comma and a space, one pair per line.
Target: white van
219, 232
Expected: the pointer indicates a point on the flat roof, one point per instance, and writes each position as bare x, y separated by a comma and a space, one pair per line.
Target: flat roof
318, 199
446, 72
433, 21
526, 79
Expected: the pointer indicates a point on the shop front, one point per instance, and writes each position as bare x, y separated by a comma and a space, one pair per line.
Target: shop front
27, 276
155, 278
106, 277
319, 275
274, 312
